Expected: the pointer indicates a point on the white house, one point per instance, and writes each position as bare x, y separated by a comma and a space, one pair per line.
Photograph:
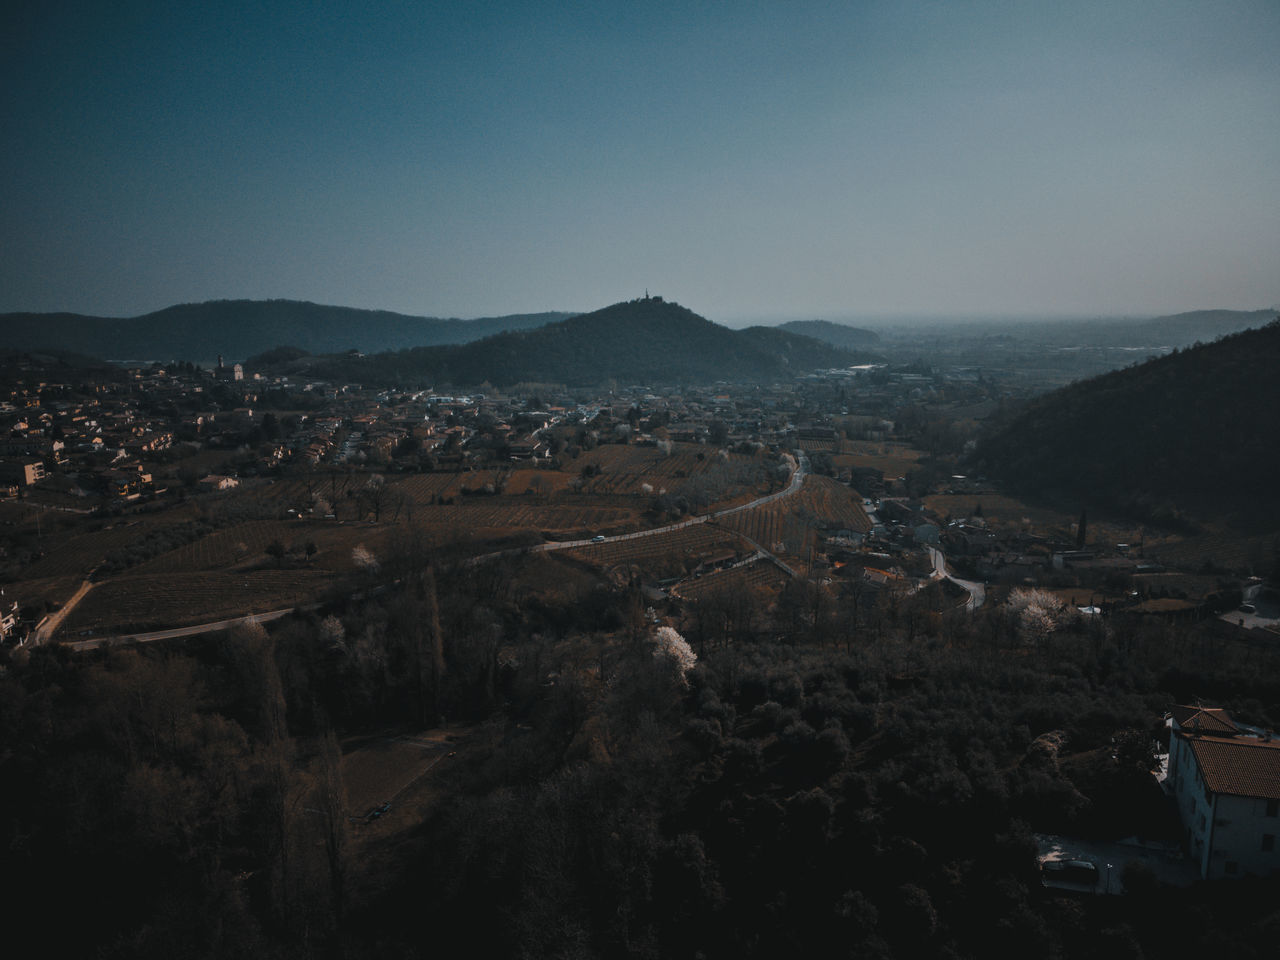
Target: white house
1225, 778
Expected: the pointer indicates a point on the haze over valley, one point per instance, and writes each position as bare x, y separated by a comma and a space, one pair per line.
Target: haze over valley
641, 481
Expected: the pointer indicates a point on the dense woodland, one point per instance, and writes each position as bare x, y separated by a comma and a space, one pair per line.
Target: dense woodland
1188, 433
838, 774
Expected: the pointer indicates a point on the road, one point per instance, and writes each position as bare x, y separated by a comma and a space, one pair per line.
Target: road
191, 631
796, 482
977, 591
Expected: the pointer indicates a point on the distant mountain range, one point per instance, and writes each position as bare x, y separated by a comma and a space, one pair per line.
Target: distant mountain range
836, 334
640, 341
1190, 431
1175, 330
239, 328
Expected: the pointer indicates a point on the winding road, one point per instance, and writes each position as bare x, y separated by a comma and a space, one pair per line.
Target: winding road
796, 482
977, 592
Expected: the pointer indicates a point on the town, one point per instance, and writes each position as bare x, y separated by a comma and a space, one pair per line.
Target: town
469, 578
142, 462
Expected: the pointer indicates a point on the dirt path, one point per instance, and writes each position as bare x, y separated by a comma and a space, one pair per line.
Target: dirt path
51, 624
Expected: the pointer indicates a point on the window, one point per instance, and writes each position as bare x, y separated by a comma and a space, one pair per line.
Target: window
1232, 866
1273, 808
1268, 842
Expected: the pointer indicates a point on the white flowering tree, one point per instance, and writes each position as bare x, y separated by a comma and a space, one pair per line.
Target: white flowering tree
363, 558
1038, 612
670, 646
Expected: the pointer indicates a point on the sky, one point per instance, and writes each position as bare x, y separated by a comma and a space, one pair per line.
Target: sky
752, 161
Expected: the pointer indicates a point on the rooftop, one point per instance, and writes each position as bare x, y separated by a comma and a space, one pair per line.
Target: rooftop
1210, 720
1241, 766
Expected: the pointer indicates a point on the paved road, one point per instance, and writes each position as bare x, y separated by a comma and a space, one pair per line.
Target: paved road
977, 592
797, 481
1167, 862
191, 631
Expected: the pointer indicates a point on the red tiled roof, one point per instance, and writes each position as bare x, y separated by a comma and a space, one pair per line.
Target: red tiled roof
1204, 719
1239, 766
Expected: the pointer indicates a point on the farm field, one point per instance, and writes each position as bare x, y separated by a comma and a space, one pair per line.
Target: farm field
244, 546
1249, 555
221, 549
627, 476
54, 591
673, 554
893, 459
761, 575
376, 770
173, 600
512, 514
830, 502
1004, 514
630, 469
818, 446
74, 554
791, 525
155, 579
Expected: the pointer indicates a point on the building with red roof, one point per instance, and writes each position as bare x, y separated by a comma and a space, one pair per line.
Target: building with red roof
1225, 778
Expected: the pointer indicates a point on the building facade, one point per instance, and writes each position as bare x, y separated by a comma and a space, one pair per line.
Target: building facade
1225, 778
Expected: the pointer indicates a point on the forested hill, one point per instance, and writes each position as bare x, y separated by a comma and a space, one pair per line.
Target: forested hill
239, 328
1191, 431
641, 341
836, 334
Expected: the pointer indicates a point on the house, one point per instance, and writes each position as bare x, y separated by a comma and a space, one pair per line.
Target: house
23, 473
125, 482
1225, 778
9, 625
218, 482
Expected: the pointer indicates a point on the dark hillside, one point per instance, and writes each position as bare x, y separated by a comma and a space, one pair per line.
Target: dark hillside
239, 328
836, 334
1193, 430
640, 341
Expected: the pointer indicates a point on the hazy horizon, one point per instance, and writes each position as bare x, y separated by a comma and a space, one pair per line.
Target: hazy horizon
885, 159
878, 320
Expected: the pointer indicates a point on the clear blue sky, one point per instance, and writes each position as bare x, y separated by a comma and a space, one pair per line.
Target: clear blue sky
750, 160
